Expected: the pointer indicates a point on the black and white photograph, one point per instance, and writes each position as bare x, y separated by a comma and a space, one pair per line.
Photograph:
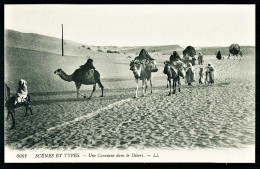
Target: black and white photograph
129, 83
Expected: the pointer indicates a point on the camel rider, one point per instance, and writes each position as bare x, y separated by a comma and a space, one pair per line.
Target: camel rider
189, 66
21, 93
200, 58
88, 65
175, 59
144, 57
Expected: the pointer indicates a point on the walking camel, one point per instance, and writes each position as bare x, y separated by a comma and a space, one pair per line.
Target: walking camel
10, 106
91, 77
172, 77
142, 70
235, 50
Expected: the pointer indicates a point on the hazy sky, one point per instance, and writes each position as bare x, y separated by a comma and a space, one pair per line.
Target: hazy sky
135, 25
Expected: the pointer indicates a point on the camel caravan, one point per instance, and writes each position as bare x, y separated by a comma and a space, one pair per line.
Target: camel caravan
176, 68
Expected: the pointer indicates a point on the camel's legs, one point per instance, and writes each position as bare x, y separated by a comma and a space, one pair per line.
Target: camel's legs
78, 85
174, 86
179, 84
12, 115
8, 112
143, 86
170, 85
94, 88
28, 108
136, 88
151, 85
146, 86
102, 89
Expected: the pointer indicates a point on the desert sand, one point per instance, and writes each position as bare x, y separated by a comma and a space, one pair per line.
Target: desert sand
218, 116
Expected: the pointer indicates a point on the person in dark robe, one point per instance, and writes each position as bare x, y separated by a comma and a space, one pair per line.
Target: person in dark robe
144, 55
200, 59
174, 57
219, 57
210, 73
88, 65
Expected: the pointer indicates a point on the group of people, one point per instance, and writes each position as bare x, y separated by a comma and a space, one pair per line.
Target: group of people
176, 60
183, 65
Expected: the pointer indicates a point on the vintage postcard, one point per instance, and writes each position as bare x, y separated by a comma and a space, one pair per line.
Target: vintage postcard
129, 83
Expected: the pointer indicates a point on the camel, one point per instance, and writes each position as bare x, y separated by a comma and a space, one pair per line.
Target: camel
142, 70
10, 106
172, 76
91, 77
235, 50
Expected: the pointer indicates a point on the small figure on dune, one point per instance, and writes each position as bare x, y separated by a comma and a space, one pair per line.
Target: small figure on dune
200, 59
86, 75
219, 57
190, 76
210, 74
22, 92
142, 67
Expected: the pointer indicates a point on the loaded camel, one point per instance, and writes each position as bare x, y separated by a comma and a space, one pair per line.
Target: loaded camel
11, 106
79, 77
235, 50
173, 76
142, 66
143, 71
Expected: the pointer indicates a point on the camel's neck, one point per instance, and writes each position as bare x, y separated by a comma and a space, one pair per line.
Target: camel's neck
142, 71
142, 68
65, 77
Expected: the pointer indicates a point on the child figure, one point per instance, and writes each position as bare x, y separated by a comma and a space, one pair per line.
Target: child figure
22, 92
